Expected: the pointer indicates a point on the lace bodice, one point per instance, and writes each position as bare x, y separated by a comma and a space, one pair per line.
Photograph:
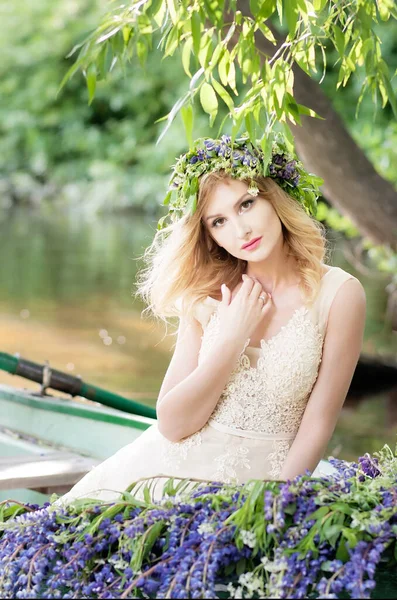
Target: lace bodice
269, 388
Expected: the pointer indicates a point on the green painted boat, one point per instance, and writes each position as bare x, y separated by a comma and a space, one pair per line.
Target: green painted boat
38, 433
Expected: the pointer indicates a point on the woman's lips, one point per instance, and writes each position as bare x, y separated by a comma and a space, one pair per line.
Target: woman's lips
254, 244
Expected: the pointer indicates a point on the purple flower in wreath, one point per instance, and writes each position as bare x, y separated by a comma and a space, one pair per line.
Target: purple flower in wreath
249, 160
278, 159
194, 160
290, 169
209, 144
224, 151
237, 157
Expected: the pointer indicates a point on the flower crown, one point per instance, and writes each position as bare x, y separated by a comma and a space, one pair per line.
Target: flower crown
241, 160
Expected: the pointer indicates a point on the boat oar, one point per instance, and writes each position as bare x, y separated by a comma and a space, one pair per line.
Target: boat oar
70, 384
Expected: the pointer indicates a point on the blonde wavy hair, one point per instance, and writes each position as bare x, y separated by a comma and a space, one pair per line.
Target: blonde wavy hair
184, 264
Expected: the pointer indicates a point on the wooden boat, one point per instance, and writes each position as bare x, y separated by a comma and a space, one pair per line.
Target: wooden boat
47, 443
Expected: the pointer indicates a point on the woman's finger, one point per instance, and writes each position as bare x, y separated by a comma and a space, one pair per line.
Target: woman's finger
247, 285
267, 302
226, 294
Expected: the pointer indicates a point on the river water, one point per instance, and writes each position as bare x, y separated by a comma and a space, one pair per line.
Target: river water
66, 295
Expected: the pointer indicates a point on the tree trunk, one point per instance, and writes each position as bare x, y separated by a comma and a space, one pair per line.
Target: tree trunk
351, 183
326, 148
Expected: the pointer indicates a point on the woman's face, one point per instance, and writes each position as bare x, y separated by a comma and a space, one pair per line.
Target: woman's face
233, 218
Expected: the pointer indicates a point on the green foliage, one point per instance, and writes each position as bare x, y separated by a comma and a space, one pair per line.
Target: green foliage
220, 42
56, 146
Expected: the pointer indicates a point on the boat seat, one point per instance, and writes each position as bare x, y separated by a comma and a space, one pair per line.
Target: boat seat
55, 472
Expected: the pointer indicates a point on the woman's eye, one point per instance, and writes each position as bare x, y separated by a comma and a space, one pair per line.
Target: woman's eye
217, 221
249, 202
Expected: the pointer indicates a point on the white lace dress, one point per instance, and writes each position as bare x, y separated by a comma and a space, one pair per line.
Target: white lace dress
255, 420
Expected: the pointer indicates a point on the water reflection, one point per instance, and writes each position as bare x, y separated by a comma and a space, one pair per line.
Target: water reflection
66, 296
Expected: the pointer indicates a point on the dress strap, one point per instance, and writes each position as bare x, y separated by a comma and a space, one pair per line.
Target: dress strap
330, 284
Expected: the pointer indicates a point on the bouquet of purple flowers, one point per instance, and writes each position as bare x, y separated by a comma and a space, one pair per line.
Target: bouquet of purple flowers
305, 538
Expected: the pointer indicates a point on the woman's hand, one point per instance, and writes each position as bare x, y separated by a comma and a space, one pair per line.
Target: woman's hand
240, 316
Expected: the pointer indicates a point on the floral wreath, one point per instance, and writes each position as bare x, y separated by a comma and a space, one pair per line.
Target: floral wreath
242, 159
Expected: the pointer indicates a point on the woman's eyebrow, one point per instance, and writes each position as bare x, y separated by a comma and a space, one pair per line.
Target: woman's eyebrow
234, 206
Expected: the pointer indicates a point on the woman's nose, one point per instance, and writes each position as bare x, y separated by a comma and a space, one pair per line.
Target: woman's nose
243, 231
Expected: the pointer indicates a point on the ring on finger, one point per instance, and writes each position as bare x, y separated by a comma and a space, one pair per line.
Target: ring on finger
262, 298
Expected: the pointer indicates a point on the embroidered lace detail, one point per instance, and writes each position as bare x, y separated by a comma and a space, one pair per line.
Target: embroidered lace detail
175, 452
277, 457
235, 457
270, 397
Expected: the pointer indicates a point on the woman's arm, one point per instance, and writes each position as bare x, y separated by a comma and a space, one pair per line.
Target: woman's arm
341, 351
190, 391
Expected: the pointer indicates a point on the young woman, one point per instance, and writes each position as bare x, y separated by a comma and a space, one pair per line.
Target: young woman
269, 335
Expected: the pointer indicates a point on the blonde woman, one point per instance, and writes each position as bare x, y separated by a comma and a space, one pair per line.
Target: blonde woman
269, 335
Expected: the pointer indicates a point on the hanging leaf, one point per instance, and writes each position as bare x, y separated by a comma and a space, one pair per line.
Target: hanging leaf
279, 4
237, 122
339, 40
231, 78
172, 10
195, 24
223, 68
319, 5
279, 85
266, 10
250, 125
390, 93
205, 52
172, 42
208, 100
291, 14
142, 51
104, 61
226, 97
91, 82
186, 52
187, 118
217, 55
267, 33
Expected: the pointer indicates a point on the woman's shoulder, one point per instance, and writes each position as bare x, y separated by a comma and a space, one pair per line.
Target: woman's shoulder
202, 310
336, 275
332, 281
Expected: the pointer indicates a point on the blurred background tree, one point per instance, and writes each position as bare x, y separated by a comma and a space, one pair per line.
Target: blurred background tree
57, 148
